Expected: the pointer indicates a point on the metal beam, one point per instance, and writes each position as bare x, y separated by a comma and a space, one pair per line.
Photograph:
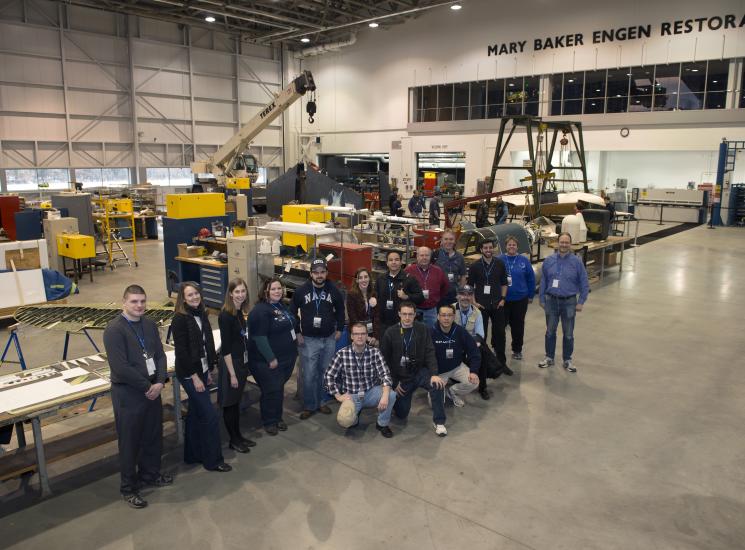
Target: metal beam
63, 71
133, 98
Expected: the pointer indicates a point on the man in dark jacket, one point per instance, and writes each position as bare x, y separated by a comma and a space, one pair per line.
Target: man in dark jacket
393, 288
321, 308
408, 351
138, 372
416, 204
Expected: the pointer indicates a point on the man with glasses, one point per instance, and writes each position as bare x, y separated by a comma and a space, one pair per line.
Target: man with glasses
408, 350
458, 357
359, 374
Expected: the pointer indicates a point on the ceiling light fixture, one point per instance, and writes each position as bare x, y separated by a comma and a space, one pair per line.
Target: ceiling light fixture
305, 40
209, 19
373, 25
456, 7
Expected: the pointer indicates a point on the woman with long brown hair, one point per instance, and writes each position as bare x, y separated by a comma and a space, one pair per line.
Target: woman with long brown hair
362, 305
234, 343
272, 351
195, 359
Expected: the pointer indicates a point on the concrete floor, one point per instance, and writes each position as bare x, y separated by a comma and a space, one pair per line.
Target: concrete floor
642, 448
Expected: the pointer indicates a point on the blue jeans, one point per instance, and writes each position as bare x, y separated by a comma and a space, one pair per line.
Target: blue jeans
201, 427
315, 357
421, 380
564, 310
429, 316
371, 399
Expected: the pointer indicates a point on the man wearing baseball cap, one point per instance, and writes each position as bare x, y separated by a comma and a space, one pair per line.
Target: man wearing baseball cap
359, 378
321, 309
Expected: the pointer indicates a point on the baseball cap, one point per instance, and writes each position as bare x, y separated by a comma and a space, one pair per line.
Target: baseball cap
465, 289
318, 263
347, 415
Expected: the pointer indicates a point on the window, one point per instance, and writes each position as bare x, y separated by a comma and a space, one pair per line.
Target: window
170, 177
618, 90
460, 101
692, 86
495, 98
556, 91
572, 100
32, 179
429, 104
532, 89
514, 96
478, 100
102, 177
445, 102
594, 92
666, 84
716, 84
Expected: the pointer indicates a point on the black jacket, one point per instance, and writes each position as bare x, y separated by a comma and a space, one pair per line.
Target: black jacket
124, 353
496, 279
421, 352
231, 340
386, 288
190, 345
329, 307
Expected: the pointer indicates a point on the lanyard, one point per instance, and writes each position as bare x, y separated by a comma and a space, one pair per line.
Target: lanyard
317, 299
282, 310
488, 271
464, 316
357, 358
510, 265
403, 339
425, 277
140, 340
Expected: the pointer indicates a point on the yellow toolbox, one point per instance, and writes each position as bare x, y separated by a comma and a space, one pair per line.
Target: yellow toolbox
195, 205
238, 183
118, 205
302, 213
76, 246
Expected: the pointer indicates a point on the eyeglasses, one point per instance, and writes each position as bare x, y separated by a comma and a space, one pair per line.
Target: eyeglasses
359, 334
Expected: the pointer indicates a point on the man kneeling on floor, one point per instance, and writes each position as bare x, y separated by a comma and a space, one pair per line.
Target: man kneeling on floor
407, 349
359, 378
453, 348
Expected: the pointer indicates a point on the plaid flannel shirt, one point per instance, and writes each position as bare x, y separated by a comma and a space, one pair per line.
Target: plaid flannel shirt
350, 373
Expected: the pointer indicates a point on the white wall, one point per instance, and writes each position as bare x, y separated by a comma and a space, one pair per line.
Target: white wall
363, 89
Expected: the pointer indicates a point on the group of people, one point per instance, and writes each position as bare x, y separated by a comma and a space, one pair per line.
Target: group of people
421, 326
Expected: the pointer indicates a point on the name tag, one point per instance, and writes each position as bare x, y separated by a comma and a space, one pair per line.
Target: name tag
316, 322
292, 333
245, 357
150, 364
389, 304
555, 283
426, 294
205, 366
509, 280
404, 360
487, 289
369, 327
449, 353
451, 277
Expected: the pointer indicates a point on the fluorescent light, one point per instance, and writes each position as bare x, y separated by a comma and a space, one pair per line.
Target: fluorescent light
597, 89
714, 81
373, 25
209, 19
305, 40
694, 70
570, 80
456, 7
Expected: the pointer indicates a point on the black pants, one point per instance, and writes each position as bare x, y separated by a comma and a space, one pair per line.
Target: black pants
497, 317
139, 427
201, 427
231, 415
272, 383
514, 313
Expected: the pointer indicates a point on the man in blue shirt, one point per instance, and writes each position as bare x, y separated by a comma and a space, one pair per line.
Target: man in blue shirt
501, 212
563, 277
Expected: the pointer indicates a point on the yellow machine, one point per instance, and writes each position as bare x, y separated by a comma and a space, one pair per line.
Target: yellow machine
195, 205
76, 246
238, 183
302, 213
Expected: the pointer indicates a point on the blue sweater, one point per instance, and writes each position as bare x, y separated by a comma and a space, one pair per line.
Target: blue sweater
523, 278
463, 346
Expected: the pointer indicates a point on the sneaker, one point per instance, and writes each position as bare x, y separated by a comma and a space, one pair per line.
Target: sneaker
385, 431
161, 481
569, 367
238, 446
272, 429
440, 429
547, 362
135, 501
281, 426
517, 356
457, 401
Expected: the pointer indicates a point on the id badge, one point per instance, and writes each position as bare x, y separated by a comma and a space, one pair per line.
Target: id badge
509, 280
292, 333
389, 304
245, 357
369, 327
555, 283
451, 277
316, 322
404, 360
449, 353
150, 364
487, 289
426, 293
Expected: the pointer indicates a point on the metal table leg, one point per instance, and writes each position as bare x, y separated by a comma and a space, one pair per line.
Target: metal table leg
177, 409
41, 461
20, 435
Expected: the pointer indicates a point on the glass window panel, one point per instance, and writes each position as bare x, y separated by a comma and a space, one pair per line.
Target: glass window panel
531, 86
460, 113
460, 94
572, 107
717, 75
617, 104
494, 111
495, 92
115, 177
666, 84
555, 108
478, 93
419, 115
429, 97
617, 84
556, 83
594, 105
157, 176
478, 112
430, 115
595, 84
53, 178
573, 83
640, 103
445, 96
531, 108
180, 176
715, 100
21, 180
514, 108
691, 102
89, 177
693, 77
445, 113
416, 98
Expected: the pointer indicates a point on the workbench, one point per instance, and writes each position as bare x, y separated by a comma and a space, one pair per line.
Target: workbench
211, 275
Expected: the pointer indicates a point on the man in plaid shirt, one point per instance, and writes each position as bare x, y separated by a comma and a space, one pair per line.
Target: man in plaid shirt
359, 373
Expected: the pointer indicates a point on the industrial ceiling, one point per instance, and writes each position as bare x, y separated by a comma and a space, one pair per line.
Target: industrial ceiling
297, 23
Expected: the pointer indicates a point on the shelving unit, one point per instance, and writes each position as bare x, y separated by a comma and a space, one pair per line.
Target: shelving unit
108, 220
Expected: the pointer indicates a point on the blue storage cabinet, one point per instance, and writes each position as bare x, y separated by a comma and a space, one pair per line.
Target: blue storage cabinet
29, 224
214, 282
176, 231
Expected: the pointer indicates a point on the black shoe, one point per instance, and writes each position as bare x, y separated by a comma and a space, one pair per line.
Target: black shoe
135, 501
324, 409
385, 431
306, 414
248, 442
281, 426
507, 370
161, 481
222, 468
484, 394
239, 447
272, 430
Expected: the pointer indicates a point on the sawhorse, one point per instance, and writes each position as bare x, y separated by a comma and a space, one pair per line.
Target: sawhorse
13, 338
95, 347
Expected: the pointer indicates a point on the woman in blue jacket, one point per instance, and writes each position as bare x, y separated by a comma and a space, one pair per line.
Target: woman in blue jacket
520, 292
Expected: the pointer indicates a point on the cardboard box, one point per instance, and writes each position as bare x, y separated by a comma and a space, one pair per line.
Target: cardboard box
190, 251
